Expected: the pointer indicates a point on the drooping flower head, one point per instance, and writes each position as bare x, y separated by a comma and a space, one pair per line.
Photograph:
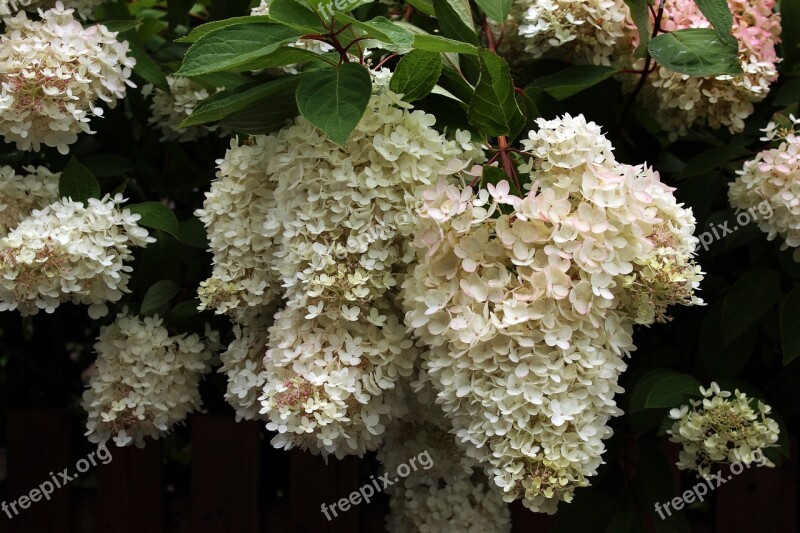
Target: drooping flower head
55, 75
722, 428
144, 381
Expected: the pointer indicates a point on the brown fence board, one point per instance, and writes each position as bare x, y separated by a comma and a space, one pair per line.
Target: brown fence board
225, 469
38, 444
314, 483
129, 491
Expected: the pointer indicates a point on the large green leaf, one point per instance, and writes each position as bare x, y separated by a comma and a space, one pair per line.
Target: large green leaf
497, 10
435, 43
234, 48
748, 300
335, 99
663, 388
697, 52
455, 20
416, 74
227, 103
157, 216
77, 182
719, 15
156, 299
494, 109
573, 80
394, 36
790, 326
203, 30
270, 116
295, 15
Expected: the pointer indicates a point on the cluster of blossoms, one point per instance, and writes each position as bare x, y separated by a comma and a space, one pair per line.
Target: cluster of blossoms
681, 101
144, 380
83, 7
582, 32
772, 177
722, 428
326, 229
449, 492
171, 108
69, 252
21, 194
527, 304
52, 73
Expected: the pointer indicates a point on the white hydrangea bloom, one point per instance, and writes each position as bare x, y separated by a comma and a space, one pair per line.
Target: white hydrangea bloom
69, 252
84, 8
584, 31
527, 304
771, 179
21, 194
445, 490
144, 381
681, 101
332, 385
243, 364
53, 71
171, 108
722, 428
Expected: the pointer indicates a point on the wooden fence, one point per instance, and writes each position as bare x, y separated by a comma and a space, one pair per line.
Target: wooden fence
239, 485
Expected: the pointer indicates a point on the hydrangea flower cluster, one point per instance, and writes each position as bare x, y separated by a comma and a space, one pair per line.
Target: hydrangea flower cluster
52, 73
69, 252
527, 304
722, 428
332, 384
21, 194
84, 8
171, 108
772, 177
583, 32
681, 101
447, 493
144, 380
326, 229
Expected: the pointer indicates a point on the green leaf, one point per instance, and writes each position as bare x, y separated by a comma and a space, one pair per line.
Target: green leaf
719, 15
205, 29
497, 10
663, 388
334, 100
455, 20
77, 182
640, 14
394, 36
226, 103
573, 80
146, 68
121, 25
748, 300
234, 48
193, 233
157, 216
265, 118
493, 109
423, 6
157, 298
295, 15
435, 43
697, 52
790, 326
416, 74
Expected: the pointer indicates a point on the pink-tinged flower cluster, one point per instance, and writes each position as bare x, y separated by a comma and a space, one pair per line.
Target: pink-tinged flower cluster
53, 71
681, 101
527, 304
773, 176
